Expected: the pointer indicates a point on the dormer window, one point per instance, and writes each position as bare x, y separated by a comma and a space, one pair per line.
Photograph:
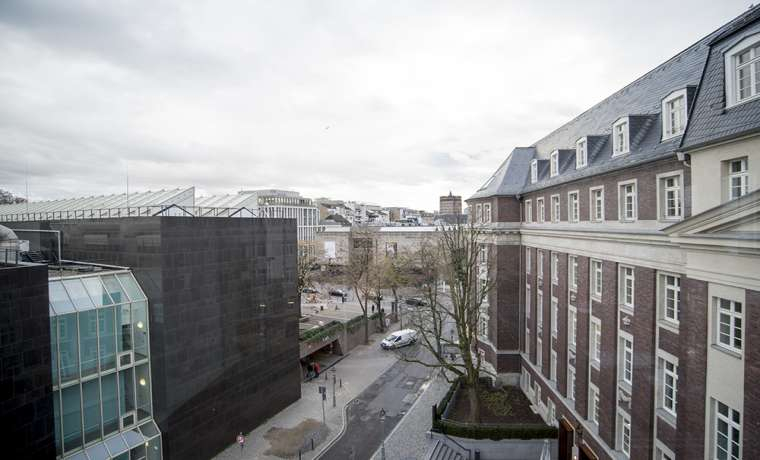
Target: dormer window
620, 137
534, 171
581, 153
554, 164
674, 114
742, 63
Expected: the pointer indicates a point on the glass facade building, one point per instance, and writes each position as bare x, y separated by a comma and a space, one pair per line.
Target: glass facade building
100, 349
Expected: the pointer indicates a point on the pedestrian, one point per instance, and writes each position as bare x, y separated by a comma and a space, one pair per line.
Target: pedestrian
316, 370
309, 370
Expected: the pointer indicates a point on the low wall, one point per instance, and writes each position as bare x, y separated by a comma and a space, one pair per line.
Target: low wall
505, 449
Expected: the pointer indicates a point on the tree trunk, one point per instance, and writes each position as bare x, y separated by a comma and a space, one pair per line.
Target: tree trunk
474, 397
366, 329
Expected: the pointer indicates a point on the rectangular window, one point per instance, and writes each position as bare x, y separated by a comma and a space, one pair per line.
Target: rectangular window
487, 213
527, 260
528, 211
555, 317
669, 297
553, 366
581, 155
540, 262
478, 213
596, 342
626, 295
668, 384
747, 73
727, 442
539, 312
554, 163
534, 171
555, 268
573, 210
572, 327
627, 202
540, 210
539, 352
572, 272
596, 209
528, 298
620, 137
527, 342
669, 193
738, 178
483, 254
674, 115
593, 406
624, 434
571, 383
555, 209
729, 330
596, 278
625, 361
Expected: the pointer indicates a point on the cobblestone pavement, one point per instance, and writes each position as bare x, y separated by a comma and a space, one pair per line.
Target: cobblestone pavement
358, 371
409, 439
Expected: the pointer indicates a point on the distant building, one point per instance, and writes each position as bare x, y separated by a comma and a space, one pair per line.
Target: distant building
334, 243
450, 204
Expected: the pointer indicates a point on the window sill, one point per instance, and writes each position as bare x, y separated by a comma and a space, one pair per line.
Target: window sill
596, 298
671, 136
627, 309
627, 221
728, 351
743, 101
625, 386
668, 325
595, 364
670, 220
666, 416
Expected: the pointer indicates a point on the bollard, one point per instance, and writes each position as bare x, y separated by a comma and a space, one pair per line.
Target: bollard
312, 443
341, 383
299, 454
477, 454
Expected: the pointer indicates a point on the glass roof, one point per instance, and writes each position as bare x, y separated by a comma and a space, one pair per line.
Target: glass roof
69, 295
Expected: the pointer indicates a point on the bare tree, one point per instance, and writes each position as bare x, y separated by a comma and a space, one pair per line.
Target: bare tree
306, 262
456, 260
8, 198
360, 273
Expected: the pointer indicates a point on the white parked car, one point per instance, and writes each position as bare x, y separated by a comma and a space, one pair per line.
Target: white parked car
399, 339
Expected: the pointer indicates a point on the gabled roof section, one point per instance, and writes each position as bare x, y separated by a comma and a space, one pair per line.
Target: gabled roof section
710, 121
511, 175
730, 219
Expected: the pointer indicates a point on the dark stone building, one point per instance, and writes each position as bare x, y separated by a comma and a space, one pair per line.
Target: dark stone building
223, 313
26, 401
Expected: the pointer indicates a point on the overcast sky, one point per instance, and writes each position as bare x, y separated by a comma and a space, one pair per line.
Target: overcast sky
391, 102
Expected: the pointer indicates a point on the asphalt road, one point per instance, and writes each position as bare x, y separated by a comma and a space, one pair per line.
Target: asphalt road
395, 391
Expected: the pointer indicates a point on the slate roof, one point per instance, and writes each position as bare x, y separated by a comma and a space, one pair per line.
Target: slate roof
710, 120
641, 101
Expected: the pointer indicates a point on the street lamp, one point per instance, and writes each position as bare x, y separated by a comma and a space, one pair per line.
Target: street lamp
382, 422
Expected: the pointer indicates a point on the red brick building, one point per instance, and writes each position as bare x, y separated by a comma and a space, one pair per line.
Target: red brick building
625, 246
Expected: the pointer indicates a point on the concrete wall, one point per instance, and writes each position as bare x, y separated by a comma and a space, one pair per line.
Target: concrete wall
224, 338
26, 398
707, 170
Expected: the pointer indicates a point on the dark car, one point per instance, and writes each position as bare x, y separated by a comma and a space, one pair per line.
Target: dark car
337, 292
415, 302
309, 290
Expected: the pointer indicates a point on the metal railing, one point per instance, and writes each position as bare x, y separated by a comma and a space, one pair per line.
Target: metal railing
9, 256
134, 211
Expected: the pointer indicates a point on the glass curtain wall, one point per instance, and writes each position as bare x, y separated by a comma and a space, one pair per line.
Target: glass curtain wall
101, 371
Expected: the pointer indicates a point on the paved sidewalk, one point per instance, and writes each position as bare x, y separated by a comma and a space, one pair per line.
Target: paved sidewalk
409, 440
358, 370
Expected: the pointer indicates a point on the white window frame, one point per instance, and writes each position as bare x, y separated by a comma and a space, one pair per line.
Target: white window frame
625, 358
573, 207
667, 376
733, 427
593, 216
627, 287
539, 313
662, 195
553, 366
527, 260
540, 263
731, 76
669, 117
487, 213
528, 298
662, 452
621, 147
572, 327
527, 342
556, 208
595, 342
554, 163
570, 383
478, 213
539, 352
581, 153
572, 272
742, 176
554, 267
622, 204
623, 433
533, 171
555, 317
733, 319
528, 211
593, 405
597, 278
664, 290
540, 210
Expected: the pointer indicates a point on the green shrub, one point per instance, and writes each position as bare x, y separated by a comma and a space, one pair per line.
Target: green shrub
318, 333
496, 432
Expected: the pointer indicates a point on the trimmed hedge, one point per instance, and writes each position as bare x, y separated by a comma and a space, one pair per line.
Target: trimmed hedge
495, 432
318, 333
